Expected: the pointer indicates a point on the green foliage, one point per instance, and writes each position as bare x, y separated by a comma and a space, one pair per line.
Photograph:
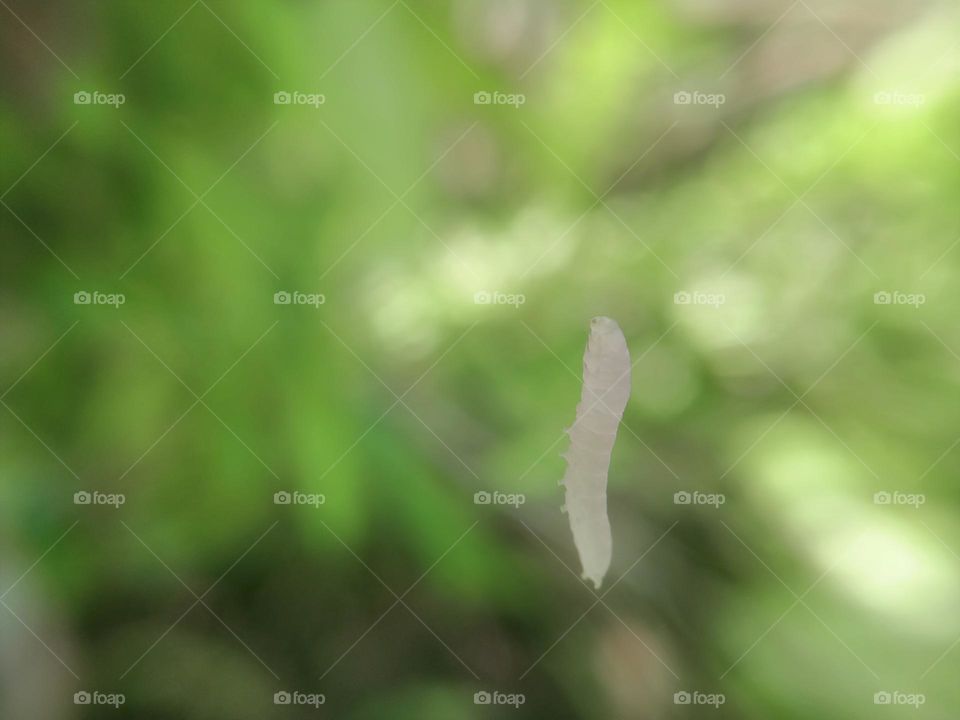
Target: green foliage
399, 199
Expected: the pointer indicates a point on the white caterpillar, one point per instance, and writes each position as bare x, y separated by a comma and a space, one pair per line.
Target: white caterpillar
606, 388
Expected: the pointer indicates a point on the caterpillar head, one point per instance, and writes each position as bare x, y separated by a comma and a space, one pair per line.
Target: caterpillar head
606, 336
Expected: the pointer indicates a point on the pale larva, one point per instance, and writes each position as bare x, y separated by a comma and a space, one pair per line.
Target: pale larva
606, 387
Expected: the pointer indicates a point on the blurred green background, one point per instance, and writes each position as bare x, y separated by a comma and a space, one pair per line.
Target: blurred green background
734, 182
